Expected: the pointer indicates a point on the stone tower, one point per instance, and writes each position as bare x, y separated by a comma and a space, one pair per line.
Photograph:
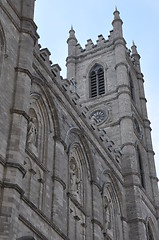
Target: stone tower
110, 84
76, 157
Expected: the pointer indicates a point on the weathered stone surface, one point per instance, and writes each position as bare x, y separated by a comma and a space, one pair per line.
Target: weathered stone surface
71, 166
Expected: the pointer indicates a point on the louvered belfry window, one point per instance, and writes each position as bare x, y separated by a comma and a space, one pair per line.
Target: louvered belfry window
97, 85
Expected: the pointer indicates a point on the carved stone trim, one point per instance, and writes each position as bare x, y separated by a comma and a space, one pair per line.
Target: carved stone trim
97, 185
30, 226
2, 161
95, 221
56, 138
5, 184
77, 204
24, 70
130, 174
135, 220
20, 112
121, 64
36, 231
32, 156
56, 178
16, 165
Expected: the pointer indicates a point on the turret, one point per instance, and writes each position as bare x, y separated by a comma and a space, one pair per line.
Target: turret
135, 57
117, 25
70, 61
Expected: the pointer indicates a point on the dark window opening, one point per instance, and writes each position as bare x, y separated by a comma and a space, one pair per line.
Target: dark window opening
141, 172
150, 235
97, 84
132, 91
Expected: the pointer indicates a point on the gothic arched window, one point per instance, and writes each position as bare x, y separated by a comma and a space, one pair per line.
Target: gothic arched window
96, 78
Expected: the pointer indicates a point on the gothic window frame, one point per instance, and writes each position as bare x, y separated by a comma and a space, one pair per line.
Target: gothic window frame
96, 81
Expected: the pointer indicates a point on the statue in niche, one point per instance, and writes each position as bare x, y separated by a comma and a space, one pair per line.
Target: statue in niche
107, 213
74, 180
32, 132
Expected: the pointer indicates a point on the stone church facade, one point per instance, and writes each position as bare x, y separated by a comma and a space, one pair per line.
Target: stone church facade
76, 156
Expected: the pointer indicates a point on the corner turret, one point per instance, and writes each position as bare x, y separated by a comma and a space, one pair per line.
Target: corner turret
70, 61
135, 57
117, 25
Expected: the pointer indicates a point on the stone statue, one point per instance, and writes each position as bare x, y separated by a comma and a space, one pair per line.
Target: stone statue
74, 180
107, 212
32, 132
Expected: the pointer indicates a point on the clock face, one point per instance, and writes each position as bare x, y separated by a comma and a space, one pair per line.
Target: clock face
98, 116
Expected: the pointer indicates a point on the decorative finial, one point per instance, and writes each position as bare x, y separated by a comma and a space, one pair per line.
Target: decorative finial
133, 43
134, 48
72, 32
116, 13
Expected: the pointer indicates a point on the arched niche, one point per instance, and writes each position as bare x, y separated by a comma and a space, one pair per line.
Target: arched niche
74, 135
112, 224
79, 186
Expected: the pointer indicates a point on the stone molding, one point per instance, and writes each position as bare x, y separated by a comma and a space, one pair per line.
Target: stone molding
97, 222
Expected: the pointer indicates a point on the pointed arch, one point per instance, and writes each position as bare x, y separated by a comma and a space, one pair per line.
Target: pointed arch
79, 186
79, 136
48, 103
45, 115
96, 81
112, 210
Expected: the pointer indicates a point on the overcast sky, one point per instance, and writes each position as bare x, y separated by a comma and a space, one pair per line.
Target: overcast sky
91, 18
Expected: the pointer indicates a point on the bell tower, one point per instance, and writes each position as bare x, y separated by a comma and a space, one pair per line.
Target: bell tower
111, 86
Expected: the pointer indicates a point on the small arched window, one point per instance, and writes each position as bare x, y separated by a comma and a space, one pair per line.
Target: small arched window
96, 78
149, 232
141, 171
2, 46
132, 91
